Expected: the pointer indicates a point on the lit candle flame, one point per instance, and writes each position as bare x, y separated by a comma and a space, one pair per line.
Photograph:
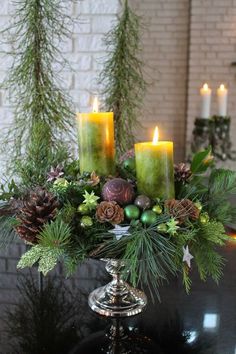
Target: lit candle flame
222, 87
155, 136
205, 87
95, 105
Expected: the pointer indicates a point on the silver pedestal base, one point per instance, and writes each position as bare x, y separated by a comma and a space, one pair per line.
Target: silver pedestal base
118, 298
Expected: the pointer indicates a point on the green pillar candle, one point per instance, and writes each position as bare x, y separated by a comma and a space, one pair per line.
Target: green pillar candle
96, 142
155, 169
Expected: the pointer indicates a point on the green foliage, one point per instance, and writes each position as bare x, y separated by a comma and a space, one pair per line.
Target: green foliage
149, 257
124, 85
29, 258
42, 115
39, 158
187, 282
53, 240
208, 261
57, 234
222, 185
201, 161
214, 232
67, 213
9, 190
46, 257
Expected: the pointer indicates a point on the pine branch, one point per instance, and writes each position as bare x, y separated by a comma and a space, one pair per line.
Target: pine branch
42, 111
222, 185
57, 234
122, 77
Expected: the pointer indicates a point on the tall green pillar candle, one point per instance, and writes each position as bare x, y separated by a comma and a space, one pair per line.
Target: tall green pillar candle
96, 142
155, 169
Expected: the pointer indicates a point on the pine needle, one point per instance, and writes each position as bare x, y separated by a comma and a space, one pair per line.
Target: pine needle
122, 77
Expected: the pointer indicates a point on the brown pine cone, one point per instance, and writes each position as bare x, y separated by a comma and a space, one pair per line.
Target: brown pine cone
39, 207
109, 212
182, 209
182, 172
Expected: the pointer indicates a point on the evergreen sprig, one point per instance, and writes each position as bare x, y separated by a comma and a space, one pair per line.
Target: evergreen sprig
122, 76
222, 185
53, 240
43, 115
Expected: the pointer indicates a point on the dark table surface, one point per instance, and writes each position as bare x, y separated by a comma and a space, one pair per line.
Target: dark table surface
202, 322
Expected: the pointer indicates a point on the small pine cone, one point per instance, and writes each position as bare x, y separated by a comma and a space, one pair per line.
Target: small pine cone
109, 212
39, 207
182, 209
182, 172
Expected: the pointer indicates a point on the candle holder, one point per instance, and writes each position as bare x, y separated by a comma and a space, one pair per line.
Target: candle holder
201, 134
117, 298
214, 132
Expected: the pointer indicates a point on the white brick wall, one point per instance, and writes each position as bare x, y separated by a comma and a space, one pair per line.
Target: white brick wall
212, 50
165, 55
83, 50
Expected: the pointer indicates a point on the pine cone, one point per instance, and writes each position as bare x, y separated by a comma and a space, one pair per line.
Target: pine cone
182, 172
38, 208
110, 212
182, 210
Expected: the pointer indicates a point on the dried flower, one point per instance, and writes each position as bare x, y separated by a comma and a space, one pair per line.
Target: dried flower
109, 212
94, 179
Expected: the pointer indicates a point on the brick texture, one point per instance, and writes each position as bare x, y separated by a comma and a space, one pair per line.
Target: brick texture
165, 44
212, 50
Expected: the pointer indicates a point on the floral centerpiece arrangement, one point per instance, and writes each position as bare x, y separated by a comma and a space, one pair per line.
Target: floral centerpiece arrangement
74, 216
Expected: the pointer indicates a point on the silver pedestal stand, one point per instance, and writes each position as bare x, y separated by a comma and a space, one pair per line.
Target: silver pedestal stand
117, 298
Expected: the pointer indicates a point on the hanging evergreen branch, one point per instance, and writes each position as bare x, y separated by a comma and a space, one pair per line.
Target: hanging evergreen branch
122, 77
42, 111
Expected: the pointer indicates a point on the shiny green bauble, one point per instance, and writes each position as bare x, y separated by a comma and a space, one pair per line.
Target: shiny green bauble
83, 209
149, 217
132, 212
86, 221
198, 205
129, 164
204, 218
157, 209
162, 227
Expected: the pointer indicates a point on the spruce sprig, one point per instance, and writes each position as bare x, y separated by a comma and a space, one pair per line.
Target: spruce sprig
122, 76
42, 111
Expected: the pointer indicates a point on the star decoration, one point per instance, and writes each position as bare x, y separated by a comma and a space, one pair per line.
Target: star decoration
172, 226
90, 200
120, 231
55, 173
187, 256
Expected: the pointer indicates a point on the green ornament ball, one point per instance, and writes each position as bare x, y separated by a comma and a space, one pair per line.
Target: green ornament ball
60, 183
129, 164
204, 218
198, 205
157, 209
132, 212
86, 221
162, 227
149, 217
83, 209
